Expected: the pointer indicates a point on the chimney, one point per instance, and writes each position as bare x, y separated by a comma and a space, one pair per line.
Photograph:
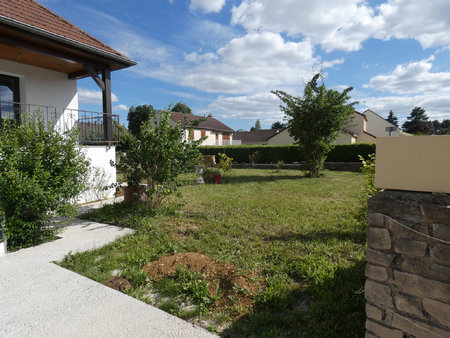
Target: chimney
210, 115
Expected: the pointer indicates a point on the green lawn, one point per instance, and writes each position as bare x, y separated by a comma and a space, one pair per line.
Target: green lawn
295, 236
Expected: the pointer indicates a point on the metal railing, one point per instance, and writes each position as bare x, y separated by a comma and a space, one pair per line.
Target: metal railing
91, 125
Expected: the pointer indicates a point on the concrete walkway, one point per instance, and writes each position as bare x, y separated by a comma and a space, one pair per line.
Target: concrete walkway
40, 299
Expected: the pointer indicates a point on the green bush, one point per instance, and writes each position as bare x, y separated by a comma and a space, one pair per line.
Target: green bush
287, 153
41, 171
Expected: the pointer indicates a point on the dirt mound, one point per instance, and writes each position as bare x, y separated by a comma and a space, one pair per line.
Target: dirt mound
237, 289
119, 283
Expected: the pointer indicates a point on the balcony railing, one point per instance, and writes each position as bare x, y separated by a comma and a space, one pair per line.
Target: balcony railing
91, 125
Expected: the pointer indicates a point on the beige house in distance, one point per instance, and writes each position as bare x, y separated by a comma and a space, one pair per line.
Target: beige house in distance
362, 128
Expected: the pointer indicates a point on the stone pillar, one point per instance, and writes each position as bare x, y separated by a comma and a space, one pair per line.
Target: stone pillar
408, 269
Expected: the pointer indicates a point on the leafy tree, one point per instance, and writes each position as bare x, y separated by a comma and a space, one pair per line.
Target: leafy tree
392, 118
41, 172
278, 125
158, 154
417, 122
441, 128
137, 116
257, 126
181, 107
316, 119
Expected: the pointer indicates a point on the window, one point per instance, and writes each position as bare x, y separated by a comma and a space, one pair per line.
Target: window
203, 133
9, 93
191, 134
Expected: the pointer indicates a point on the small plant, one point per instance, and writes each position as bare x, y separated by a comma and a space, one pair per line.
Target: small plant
212, 176
368, 169
280, 165
253, 157
224, 162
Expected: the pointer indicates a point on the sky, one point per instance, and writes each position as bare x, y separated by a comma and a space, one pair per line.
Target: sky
225, 56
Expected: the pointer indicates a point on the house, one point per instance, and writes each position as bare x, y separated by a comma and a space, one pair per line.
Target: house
265, 136
41, 57
362, 128
215, 132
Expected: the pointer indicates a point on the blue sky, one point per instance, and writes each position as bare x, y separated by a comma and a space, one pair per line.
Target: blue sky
224, 56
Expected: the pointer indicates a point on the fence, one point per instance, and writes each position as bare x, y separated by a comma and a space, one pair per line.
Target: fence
91, 125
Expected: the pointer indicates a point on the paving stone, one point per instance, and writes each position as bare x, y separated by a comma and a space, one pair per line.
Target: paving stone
410, 247
421, 287
440, 253
409, 305
383, 331
378, 293
438, 310
379, 258
377, 273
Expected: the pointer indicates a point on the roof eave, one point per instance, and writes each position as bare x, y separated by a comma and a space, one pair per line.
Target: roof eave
44, 33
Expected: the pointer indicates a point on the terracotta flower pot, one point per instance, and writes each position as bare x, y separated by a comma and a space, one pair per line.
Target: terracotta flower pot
133, 194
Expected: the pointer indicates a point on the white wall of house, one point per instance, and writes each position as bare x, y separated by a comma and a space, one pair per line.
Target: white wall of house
282, 138
102, 173
44, 87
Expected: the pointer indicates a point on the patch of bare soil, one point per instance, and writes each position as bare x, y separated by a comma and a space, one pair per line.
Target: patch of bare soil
119, 283
237, 289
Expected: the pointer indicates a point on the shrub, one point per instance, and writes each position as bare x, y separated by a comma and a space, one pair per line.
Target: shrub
287, 153
41, 171
224, 162
158, 154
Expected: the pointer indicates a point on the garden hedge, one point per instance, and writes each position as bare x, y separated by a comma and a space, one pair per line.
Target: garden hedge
287, 153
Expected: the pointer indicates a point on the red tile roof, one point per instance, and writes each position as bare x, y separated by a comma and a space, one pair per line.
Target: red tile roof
34, 15
210, 123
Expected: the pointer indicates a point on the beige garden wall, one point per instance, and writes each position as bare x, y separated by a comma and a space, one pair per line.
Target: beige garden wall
419, 163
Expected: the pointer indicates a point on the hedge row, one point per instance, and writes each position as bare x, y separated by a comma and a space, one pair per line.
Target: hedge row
287, 154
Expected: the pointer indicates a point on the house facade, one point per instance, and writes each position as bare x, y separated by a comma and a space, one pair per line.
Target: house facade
196, 127
41, 57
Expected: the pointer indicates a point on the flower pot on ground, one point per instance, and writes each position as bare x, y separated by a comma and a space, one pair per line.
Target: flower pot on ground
133, 194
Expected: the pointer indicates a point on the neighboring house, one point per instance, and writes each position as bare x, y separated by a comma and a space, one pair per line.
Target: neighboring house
264, 136
216, 133
41, 57
362, 128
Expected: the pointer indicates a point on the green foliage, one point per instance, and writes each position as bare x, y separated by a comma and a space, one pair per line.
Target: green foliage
286, 153
368, 169
41, 171
316, 119
137, 116
158, 154
190, 285
212, 176
392, 118
181, 107
278, 125
224, 162
417, 122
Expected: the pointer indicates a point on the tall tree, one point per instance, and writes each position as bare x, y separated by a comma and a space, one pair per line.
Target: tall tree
257, 126
181, 107
417, 122
392, 118
137, 116
316, 119
278, 125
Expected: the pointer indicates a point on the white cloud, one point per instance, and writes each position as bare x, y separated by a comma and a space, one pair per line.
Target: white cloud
262, 106
207, 6
250, 64
121, 107
346, 24
89, 96
415, 77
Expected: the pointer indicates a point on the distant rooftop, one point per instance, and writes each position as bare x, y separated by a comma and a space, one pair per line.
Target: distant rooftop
261, 135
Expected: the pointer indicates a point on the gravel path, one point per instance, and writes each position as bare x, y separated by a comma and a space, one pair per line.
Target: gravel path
41, 299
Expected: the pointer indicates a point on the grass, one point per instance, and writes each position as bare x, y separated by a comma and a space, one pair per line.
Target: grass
298, 235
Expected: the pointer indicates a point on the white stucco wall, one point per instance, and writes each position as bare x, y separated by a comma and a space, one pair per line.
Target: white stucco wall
44, 87
102, 173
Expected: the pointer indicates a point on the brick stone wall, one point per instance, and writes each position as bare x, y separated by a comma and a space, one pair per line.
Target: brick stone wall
408, 270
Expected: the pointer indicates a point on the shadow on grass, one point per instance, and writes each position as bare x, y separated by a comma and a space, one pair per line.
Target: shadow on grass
333, 307
259, 178
357, 236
